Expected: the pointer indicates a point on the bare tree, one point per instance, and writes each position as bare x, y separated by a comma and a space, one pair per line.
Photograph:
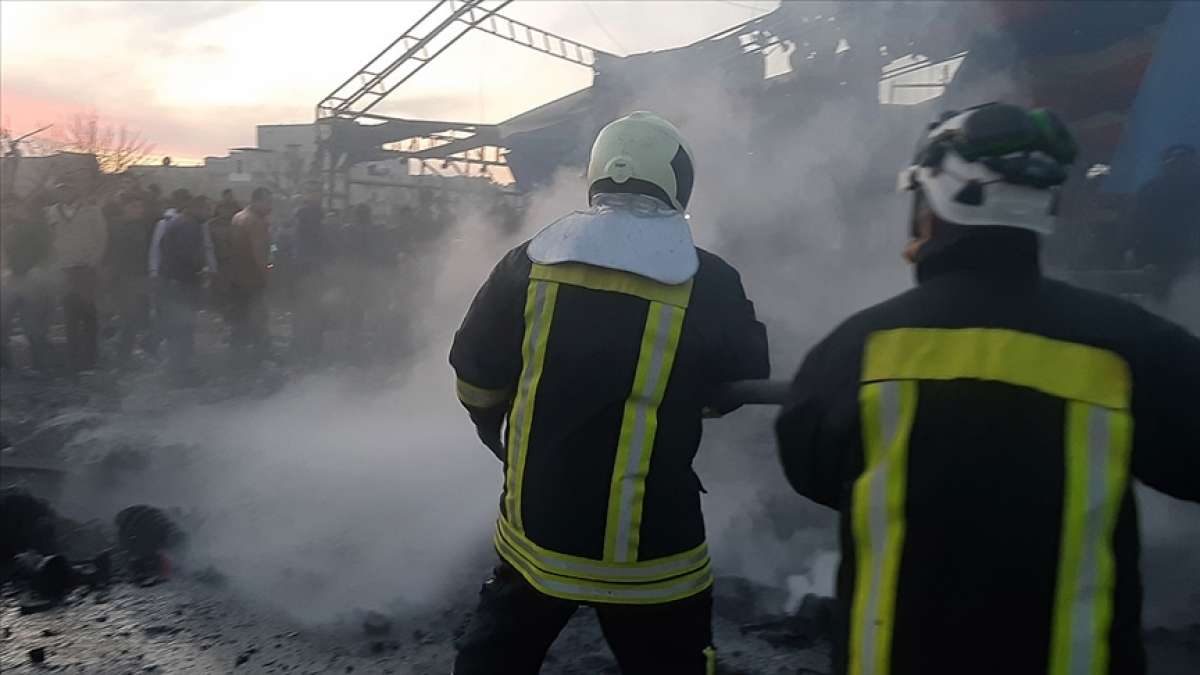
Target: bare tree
116, 147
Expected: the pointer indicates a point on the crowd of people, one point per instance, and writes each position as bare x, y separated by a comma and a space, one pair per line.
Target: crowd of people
134, 268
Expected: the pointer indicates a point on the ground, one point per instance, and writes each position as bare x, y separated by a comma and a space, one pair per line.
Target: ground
193, 623
184, 626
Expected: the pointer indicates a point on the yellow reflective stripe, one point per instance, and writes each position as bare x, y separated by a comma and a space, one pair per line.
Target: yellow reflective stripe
478, 397
658, 569
1063, 369
1096, 477
710, 661
586, 590
887, 410
539, 312
639, 426
601, 279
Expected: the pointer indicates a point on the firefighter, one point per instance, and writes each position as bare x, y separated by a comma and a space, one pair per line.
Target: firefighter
598, 343
980, 432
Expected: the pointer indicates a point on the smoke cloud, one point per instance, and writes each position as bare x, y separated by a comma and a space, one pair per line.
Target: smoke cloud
344, 491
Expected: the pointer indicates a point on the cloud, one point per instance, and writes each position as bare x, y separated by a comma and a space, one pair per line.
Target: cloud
197, 76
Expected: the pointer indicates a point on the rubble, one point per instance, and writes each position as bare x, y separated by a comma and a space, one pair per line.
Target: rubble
37, 655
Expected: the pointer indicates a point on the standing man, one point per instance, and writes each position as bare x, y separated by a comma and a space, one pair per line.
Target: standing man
125, 263
180, 253
367, 265
598, 344
248, 278
979, 433
220, 228
27, 244
227, 207
79, 237
311, 253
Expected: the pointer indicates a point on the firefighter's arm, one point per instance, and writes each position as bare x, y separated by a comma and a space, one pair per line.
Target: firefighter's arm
486, 354
1166, 423
741, 352
807, 446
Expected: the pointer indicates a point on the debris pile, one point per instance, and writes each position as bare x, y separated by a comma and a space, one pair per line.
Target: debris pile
35, 543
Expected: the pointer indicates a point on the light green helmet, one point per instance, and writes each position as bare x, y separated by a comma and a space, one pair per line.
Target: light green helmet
642, 153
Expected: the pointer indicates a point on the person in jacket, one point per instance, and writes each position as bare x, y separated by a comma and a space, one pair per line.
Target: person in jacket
597, 345
311, 255
979, 434
226, 207
248, 274
27, 244
125, 265
181, 256
79, 238
364, 260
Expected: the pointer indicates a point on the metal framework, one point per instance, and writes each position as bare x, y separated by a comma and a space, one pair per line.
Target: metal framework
454, 148
532, 37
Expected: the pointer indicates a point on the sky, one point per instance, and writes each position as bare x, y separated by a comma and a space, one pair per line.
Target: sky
196, 77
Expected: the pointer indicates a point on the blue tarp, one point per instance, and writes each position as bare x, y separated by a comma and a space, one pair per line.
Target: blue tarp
1167, 108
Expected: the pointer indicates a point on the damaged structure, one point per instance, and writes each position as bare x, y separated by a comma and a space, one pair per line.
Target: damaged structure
786, 64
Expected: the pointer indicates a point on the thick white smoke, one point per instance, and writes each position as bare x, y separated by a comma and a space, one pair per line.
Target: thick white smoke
333, 494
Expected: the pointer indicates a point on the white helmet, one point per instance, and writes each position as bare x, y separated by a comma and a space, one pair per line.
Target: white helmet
645, 154
996, 164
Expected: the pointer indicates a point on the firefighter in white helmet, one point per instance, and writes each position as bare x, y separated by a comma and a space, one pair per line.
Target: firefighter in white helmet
595, 347
979, 433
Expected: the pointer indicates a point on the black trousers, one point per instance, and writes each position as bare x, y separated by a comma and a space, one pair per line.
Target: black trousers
515, 625
79, 311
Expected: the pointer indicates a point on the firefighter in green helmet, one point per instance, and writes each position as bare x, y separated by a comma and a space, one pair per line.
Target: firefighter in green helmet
595, 347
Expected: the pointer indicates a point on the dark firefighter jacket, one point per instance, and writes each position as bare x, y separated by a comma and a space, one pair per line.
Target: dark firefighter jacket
978, 435
601, 378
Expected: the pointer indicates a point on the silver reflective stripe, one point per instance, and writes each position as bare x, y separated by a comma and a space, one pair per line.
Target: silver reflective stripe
880, 467
646, 571
637, 444
1087, 590
518, 441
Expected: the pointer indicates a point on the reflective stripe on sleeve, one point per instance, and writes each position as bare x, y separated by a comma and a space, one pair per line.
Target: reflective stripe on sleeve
539, 311
478, 397
1098, 442
888, 410
639, 427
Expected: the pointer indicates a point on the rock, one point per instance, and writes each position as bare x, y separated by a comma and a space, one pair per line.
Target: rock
244, 657
160, 629
29, 523
812, 623
37, 655
32, 603
49, 575
46, 632
143, 534
376, 624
